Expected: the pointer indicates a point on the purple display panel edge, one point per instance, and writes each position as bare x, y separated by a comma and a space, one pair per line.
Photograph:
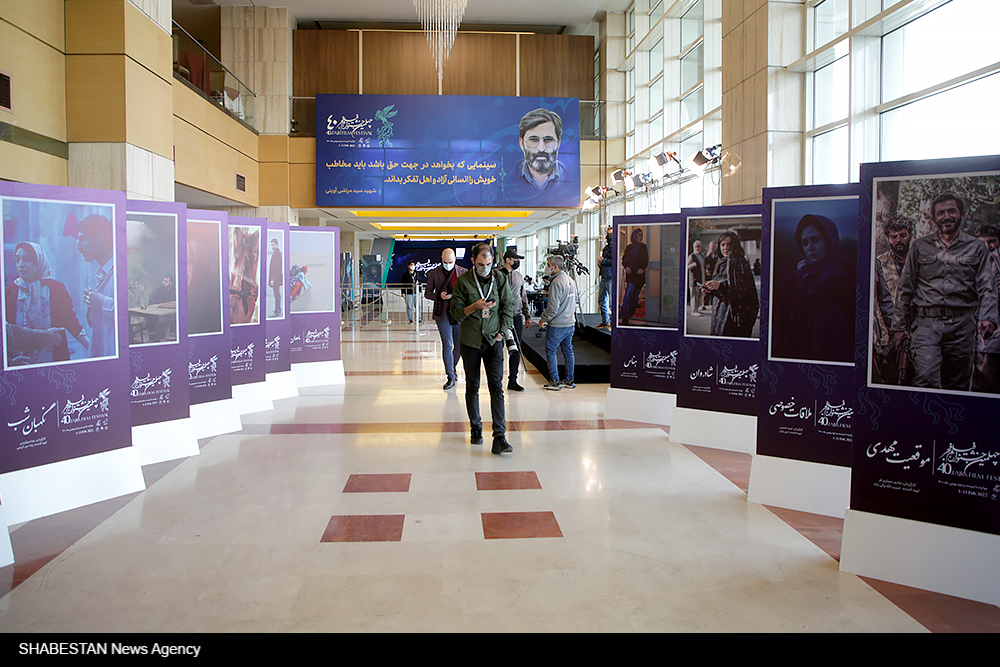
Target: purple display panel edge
209, 370
642, 359
315, 334
160, 370
61, 409
717, 374
921, 454
246, 301
805, 408
278, 352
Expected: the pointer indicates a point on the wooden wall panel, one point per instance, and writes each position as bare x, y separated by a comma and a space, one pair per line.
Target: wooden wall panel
397, 63
149, 110
18, 163
324, 61
557, 66
44, 19
482, 64
95, 98
38, 83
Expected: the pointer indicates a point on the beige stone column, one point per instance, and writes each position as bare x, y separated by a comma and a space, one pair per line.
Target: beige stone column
119, 104
257, 49
762, 103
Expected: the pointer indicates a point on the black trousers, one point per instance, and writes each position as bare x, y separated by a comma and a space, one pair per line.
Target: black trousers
515, 359
489, 357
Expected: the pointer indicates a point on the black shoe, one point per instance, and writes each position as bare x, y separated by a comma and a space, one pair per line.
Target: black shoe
501, 446
568, 384
514, 386
450, 384
553, 386
477, 435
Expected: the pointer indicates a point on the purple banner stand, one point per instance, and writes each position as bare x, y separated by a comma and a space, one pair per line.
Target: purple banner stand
314, 291
6, 551
647, 303
246, 303
925, 470
718, 355
162, 429
67, 426
805, 390
210, 374
278, 348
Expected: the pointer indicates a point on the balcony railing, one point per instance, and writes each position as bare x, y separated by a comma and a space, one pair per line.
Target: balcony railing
206, 74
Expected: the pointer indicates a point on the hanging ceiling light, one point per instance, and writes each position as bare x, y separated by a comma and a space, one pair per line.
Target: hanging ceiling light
440, 20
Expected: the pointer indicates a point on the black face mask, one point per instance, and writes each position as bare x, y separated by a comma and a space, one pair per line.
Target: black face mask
515, 264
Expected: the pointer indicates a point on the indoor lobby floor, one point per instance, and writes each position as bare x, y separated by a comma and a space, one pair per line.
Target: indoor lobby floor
363, 507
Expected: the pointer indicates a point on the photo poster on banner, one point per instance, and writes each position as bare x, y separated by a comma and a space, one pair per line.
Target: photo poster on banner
925, 431
805, 385
278, 351
314, 253
65, 381
447, 150
156, 233
210, 375
247, 239
645, 288
718, 353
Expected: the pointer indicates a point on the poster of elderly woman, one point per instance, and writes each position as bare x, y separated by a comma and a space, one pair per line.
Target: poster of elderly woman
734, 286
59, 276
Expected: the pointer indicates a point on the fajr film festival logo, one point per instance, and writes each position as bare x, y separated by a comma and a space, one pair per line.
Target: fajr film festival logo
151, 389
203, 373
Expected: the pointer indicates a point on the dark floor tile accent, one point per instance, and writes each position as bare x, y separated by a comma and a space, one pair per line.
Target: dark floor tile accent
507, 481
513, 525
378, 483
364, 528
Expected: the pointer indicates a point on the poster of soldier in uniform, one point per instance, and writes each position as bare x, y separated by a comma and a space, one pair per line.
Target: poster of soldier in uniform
934, 275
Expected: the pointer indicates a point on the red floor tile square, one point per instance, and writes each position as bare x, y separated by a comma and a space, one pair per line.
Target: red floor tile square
505, 481
509, 525
364, 528
378, 483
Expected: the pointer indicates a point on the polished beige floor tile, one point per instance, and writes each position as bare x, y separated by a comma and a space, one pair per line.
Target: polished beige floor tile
653, 539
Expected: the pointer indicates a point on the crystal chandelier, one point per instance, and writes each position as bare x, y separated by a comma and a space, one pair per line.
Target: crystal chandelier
440, 20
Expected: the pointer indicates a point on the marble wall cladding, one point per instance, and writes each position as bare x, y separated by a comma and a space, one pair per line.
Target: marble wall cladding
257, 48
760, 97
136, 171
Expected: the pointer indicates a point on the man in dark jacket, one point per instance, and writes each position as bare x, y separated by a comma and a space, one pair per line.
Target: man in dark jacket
440, 285
604, 287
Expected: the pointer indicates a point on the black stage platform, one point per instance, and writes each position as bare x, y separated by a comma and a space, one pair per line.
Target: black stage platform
591, 348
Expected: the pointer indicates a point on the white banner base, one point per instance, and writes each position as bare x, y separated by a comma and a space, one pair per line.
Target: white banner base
6, 551
718, 430
639, 406
252, 397
952, 561
215, 418
319, 373
282, 385
805, 486
57, 487
165, 441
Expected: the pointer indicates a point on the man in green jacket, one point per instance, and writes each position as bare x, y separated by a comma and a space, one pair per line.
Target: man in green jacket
484, 305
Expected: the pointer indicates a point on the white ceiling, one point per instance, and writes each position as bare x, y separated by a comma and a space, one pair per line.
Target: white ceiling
572, 16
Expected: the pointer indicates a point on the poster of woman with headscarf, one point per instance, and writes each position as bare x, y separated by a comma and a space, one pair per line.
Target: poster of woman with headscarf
734, 288
814, 273
59, 276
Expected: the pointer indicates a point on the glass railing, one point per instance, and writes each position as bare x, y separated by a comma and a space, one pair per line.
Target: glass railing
196, 65
304, 118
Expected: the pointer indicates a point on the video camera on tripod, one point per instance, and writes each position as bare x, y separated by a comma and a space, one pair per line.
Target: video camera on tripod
569, 251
